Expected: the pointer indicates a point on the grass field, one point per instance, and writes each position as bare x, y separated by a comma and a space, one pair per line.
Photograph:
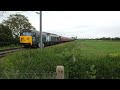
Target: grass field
82, 59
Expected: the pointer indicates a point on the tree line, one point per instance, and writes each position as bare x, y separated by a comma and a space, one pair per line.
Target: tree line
10, 29
108, 38
103, 38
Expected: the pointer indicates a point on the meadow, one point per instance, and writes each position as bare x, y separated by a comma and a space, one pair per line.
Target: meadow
82, 59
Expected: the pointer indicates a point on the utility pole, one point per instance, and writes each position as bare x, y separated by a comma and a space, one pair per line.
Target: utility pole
40, 39
41, 30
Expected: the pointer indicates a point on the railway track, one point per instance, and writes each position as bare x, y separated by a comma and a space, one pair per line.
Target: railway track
4, 52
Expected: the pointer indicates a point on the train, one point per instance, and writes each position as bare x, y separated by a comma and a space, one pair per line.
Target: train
31, 38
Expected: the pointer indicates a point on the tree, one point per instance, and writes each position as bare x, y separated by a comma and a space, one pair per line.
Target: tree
6, 37
2, 12
17, 22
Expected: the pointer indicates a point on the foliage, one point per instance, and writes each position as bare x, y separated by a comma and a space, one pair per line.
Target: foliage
92, 73
6, 37
2, 13
17, 22
82, 59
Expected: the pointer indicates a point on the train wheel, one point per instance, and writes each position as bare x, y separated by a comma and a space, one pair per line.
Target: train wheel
25, 46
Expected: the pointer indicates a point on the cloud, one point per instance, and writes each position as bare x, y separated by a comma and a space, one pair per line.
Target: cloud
83, 24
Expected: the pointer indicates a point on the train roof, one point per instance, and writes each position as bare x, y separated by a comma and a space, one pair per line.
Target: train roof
50, 33
44, 33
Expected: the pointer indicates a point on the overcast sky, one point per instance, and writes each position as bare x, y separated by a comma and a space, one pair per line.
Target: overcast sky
83, 24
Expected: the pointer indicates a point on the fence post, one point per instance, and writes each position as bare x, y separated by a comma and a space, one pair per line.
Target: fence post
60, 72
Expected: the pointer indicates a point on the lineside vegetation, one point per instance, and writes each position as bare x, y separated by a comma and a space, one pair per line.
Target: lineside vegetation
82, 59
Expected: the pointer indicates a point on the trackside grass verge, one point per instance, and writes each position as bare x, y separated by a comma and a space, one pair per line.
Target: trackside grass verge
8, 47
82, 59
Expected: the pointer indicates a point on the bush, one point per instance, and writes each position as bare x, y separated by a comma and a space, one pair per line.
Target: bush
6, 37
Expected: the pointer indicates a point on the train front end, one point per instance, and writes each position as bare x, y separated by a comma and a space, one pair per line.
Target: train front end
26, 38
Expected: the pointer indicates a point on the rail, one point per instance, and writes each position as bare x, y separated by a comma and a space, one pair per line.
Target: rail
6, 51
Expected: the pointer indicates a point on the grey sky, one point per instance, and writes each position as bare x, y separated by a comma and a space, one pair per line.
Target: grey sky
83, 24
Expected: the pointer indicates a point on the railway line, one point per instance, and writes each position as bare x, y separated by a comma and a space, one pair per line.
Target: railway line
4, 52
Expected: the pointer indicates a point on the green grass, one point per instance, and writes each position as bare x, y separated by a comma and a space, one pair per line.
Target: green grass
93, 60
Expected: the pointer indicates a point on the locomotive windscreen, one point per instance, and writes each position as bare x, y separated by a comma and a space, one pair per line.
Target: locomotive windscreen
26, 34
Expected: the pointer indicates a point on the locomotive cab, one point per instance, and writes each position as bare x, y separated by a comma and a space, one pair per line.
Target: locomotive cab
26, 38
30, 38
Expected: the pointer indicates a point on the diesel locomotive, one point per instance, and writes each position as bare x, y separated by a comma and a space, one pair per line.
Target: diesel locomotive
30, 38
